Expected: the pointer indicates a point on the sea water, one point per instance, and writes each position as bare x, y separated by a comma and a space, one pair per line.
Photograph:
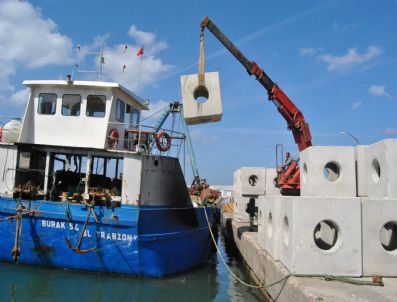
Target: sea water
211, 282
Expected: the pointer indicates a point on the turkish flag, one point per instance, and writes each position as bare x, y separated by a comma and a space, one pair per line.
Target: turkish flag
140, 52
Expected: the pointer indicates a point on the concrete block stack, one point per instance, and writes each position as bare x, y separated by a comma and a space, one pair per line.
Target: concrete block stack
249, 184
321, 230
345, 221
379, 210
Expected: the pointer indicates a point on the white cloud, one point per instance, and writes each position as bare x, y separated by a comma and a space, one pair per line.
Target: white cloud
20, 97
154, 108
357, 104
28, 39
379, 90
308, 51
147, 40
350, 59
390, 131
202, 137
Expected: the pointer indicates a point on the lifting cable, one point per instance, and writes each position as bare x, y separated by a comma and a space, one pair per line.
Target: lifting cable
374, 282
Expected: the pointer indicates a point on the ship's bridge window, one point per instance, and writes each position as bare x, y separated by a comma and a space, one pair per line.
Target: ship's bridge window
96, 105
71, 104
120, 110
47, 103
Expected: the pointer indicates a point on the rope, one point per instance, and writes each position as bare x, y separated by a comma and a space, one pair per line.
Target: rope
229, 269
325, 277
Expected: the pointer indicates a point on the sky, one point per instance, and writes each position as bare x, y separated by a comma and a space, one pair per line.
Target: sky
336, 60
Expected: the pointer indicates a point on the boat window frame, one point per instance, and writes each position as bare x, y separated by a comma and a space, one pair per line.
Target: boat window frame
74, 94
96, 95
39, 102
135, 113
117, 111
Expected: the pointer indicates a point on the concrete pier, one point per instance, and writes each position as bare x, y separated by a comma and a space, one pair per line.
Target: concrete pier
265, 270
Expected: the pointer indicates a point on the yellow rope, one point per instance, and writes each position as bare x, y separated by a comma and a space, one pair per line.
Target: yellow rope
228, 268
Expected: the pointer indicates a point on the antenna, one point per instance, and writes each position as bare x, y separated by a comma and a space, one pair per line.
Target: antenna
101, 55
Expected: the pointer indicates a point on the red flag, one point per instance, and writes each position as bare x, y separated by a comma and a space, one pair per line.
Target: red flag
140, 52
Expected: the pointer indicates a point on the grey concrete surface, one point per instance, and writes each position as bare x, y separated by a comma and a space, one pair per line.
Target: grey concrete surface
267, 271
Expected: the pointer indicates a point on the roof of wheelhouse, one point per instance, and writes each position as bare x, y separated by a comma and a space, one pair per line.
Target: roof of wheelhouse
88, 84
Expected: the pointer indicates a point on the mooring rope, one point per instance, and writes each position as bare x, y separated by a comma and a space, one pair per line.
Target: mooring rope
229, 269
325, 277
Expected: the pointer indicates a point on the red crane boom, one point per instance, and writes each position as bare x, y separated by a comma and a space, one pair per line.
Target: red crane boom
288, 179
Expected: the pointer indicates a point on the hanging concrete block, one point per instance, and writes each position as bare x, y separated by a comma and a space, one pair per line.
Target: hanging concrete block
262, 221
271, 175
201, 112
328, 171
379, 225
361, 166
272, 224
321, 235
381, 159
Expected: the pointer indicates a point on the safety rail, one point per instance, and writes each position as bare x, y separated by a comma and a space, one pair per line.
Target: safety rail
144, 139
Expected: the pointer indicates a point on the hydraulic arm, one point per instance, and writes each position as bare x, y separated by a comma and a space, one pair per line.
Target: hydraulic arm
294, 117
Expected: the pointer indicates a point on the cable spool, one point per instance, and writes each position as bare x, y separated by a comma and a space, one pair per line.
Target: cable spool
163, 141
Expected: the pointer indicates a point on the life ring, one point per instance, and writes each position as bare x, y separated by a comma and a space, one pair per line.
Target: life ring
163, 141
1, 134
113, 138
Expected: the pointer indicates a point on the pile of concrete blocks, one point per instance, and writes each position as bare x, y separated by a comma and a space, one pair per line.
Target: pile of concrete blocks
379, 207
255, 184
344, 223
320, 231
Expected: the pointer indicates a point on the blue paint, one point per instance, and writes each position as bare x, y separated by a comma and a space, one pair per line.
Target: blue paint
131, 240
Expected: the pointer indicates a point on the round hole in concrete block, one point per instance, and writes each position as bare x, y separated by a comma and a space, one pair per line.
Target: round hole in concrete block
332, 171
201, 94
375, 170
388, 236
270, 225
304, 173
286, 231
156, 162
253, 180
326, 235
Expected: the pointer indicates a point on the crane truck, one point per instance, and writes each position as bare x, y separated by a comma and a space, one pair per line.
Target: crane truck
288, 177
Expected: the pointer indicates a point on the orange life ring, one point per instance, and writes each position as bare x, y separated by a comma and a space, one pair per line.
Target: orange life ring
1, 133
113, 138
163, 141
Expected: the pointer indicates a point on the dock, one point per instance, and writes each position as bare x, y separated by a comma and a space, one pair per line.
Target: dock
265, 270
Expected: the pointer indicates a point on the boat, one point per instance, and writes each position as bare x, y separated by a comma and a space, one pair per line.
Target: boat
85, 186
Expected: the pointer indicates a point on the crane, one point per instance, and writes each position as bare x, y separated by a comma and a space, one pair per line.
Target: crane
288, 178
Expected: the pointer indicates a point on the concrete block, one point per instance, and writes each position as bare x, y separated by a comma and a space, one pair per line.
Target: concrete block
328, 171
379, 227
198, 112
252, 180
361, 170
236, 182
272, 225
271, 175
240, 206
261, 221
381, 159
321, 235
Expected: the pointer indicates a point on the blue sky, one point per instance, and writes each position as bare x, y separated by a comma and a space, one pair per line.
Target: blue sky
336, 60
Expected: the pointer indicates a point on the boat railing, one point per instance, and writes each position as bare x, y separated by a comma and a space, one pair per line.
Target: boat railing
147, 139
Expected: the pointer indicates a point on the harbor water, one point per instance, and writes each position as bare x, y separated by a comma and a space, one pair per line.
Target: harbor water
211, 282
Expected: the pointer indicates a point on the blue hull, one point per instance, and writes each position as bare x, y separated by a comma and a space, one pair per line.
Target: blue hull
131, 240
